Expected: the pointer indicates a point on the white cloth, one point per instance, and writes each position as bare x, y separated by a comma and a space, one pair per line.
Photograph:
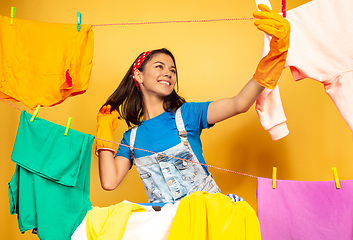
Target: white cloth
149, 225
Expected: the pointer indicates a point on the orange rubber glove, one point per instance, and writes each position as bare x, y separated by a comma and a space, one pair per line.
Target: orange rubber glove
270, 67
106, 123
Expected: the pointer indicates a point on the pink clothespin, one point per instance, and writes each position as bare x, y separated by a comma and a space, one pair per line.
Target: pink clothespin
284, 14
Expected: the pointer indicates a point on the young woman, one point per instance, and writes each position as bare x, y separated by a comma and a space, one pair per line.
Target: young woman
168, 127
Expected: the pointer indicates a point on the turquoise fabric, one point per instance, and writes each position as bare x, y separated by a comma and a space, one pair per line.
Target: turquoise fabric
51, 185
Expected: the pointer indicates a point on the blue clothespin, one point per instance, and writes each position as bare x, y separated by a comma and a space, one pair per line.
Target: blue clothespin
78, 21
13, 12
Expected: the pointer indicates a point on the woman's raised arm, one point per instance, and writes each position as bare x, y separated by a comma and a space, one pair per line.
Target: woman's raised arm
268, 70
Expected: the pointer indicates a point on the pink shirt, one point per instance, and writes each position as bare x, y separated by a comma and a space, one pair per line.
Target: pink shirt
321, 49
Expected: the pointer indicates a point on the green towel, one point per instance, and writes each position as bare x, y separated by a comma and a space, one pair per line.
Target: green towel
51, 185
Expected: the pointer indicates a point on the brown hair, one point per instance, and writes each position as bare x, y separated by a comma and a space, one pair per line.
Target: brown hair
127, 100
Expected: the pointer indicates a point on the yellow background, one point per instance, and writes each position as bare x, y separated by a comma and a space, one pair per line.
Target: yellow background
214, 60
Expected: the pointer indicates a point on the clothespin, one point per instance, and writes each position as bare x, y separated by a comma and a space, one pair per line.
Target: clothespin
335, 176
78, 21
13, 13
35, 113
274, 177
284, 14
68, 126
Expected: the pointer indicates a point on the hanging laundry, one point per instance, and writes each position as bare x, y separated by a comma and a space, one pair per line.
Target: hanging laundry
304, 210
44, 63
50, 188
202, 215
321, 49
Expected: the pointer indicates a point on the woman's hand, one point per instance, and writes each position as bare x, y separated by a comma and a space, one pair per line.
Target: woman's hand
270, 67
107, 121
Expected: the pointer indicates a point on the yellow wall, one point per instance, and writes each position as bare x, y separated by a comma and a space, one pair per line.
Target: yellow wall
214, 60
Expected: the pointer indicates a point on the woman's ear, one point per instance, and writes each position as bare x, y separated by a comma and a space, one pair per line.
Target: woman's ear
138, 76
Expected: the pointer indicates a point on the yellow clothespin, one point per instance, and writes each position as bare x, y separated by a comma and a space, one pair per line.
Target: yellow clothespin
335, 176
13, 12
68, 126
78, 21
274, 177
35, 113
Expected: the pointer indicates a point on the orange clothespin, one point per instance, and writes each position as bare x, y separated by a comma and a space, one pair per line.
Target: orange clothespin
35, 113
68, 126
13, 12
78, 21
335, 177
274, 177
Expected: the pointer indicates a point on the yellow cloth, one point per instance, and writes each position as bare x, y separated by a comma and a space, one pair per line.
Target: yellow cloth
44, 63
109, 223
203, 216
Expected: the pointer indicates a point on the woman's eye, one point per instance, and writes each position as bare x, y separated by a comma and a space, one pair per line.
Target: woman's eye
159, 66
173, 71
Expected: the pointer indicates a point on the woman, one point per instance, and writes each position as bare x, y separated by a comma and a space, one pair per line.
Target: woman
168, 126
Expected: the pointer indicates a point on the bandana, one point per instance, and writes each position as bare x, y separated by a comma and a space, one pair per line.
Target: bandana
138, 64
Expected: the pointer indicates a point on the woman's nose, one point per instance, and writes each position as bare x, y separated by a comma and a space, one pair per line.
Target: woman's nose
168, 74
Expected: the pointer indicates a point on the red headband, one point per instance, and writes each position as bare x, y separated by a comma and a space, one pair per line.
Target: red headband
138, 64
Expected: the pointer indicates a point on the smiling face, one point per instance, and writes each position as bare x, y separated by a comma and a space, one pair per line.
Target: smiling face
158, 77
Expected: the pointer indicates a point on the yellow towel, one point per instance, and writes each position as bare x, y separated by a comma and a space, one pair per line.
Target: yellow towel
214, 216
109, 223
44, 63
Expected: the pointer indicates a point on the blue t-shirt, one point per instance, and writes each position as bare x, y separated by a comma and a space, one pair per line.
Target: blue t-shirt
160, 133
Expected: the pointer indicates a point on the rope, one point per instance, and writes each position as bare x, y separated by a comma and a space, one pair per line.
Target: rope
11, 104
222, 169
177, 21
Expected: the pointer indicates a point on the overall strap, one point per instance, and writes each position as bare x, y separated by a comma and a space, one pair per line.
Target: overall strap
132, 140
181, 127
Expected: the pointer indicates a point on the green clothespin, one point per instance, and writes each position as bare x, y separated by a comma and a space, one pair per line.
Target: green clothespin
13, 12
35, 113
68, 126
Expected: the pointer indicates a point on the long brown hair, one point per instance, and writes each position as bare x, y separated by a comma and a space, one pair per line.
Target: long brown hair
127, 99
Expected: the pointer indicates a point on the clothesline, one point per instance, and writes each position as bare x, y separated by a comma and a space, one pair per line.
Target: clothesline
175, 21
139, 149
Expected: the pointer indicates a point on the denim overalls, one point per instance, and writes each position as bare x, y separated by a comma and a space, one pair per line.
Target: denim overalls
168, 179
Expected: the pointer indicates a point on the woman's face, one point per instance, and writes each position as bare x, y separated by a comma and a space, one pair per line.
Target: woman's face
159, 76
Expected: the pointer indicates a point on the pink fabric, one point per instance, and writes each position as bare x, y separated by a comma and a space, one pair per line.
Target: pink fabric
305, 210
321, 49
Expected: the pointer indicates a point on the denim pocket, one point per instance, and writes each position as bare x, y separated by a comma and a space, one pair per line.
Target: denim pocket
148, 183
186, 169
